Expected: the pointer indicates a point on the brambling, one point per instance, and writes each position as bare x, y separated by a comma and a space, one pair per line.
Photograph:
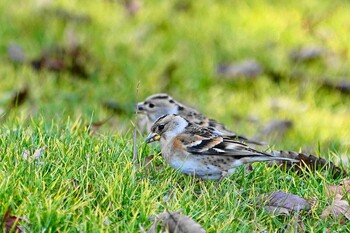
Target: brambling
196, 150
158, 105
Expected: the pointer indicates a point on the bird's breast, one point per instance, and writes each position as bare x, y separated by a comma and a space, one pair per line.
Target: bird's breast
192, 165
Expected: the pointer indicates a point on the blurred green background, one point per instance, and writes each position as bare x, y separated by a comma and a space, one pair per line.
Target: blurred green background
79, 59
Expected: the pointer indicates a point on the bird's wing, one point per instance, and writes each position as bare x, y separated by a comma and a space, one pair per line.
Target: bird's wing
201, 141
221, 130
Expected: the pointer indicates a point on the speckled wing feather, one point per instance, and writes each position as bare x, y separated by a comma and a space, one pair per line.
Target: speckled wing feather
202, 141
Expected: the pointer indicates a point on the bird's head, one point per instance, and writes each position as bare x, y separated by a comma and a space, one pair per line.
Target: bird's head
167, 127
158, 105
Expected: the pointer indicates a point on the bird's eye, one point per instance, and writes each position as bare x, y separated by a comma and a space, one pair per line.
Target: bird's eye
171, 101
151, 105
160, 127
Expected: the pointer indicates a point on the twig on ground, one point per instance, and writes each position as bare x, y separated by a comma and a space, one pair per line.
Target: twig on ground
134, 150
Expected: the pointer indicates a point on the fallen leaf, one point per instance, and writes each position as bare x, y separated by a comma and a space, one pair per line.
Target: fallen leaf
342, 189
306, 54
175, 222
74, 60
272, 210
248, 68
311, 21
78, 61
15, 53
147, 160
19, 97
275, 129
66, 15
71, 38
132, 6
280, 202
153, 228
147, 165
134, 137
51, 59
13, 223
337, 209
312, 202
341, 85
183, 5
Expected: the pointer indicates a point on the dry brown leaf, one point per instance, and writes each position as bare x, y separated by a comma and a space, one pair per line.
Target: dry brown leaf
148, 159
76, 60
175, 222
337, 209
153, 228
71, 38
280, 202
19, 97
15, 53
67, 15
341, 85
307, 54
312, 202
13, 223
274, 129
342, 189
132, 6
183, 5
147, 165
273, 210
249, 69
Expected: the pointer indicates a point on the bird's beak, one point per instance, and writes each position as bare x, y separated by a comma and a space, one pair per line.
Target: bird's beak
152, 137
140, 107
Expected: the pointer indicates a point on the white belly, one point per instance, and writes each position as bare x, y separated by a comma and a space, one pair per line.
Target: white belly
191, 166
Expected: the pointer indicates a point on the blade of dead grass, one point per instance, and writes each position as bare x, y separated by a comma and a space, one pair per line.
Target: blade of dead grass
134, 150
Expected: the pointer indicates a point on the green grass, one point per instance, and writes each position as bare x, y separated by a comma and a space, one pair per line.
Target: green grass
83, 182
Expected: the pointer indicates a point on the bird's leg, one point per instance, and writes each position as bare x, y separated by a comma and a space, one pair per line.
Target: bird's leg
224, 174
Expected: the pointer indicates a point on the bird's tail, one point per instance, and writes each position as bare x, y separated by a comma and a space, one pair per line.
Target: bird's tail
306, 161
